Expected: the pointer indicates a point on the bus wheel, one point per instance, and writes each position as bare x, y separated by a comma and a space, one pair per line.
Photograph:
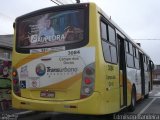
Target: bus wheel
131, 108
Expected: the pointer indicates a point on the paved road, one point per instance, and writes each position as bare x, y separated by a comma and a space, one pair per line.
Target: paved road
148, 108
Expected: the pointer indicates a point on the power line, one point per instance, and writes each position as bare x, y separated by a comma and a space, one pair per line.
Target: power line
55, 2
62, 2
59, 1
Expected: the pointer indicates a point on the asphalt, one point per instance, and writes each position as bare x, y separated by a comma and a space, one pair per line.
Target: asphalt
148, 106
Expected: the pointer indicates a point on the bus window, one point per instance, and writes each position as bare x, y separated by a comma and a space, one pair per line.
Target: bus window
144, 59
51, 29
127, 48
136, 58
109, 47
136, 63
134, 51
111, 35
114, 54
130, 49
137, 54
104, 31
106, 51
130, 61
147, 63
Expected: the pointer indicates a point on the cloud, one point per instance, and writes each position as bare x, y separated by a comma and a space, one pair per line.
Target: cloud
6, 26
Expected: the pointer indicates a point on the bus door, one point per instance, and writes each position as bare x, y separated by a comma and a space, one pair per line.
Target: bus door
142, 74
123, 75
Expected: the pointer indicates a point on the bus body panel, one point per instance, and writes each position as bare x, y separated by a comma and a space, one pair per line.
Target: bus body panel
147, 79
60, 79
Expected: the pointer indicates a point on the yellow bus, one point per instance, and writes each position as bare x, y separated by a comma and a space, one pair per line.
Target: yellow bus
75, 59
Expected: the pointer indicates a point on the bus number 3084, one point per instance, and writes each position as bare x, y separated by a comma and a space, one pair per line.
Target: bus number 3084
75, 52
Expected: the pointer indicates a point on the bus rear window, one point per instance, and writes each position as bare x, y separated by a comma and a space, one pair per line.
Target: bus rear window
50, 29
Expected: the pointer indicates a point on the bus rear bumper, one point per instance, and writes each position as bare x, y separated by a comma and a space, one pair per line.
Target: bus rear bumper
90, 105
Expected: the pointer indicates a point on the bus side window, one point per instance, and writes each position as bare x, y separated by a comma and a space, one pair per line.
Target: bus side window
108, 43
134, 51
104, 32
127, 48
146, 63
106, 51
105, 45
112, 40
136, 58
130, 49
137, 53
111, 32
130, 61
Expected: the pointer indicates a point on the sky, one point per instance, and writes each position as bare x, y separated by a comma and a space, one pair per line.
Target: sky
140, 19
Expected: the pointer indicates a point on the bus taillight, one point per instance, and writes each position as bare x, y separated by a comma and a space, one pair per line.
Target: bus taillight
16, 86
88, 79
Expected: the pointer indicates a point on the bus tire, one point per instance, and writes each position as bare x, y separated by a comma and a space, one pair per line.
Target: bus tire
132, 106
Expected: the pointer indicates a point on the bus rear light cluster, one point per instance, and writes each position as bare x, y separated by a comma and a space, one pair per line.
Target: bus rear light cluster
89, 71
88, 80
16, 86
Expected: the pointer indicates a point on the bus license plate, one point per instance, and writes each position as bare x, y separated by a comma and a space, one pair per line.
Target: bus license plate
47, 94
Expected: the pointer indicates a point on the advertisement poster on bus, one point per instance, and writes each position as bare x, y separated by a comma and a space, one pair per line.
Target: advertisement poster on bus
51, 29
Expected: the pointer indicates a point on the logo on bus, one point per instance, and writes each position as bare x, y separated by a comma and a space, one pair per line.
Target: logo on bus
40, 69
